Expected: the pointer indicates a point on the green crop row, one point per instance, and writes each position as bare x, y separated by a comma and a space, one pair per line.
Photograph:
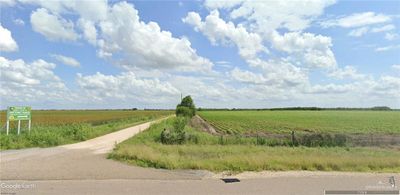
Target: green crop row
253, 122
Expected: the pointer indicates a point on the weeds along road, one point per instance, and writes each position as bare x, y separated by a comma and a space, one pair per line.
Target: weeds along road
83, 168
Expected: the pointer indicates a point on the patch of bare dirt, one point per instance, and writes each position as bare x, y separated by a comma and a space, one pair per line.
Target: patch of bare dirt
200, 124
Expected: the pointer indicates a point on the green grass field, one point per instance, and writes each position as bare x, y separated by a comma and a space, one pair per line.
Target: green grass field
251, 122
238, 154
51, 128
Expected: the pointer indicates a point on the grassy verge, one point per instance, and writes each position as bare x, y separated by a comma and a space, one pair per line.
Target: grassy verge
47, 134
208, 152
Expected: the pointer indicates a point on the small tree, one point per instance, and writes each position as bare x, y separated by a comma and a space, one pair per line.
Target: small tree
187, 101
186, 108
177, 135
184, 111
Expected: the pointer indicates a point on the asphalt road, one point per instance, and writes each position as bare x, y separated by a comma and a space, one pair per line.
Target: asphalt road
273, 185
83, 168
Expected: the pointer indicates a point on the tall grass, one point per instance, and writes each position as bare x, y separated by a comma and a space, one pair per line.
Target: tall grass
247, 154
256, 158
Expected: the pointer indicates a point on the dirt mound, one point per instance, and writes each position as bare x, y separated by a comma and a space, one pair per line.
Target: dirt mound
200, 124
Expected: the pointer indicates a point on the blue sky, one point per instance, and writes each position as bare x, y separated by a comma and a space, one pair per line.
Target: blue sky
117, 54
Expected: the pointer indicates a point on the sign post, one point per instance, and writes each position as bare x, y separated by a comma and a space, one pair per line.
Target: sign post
19, 126
18, 113
29, 126
8, 125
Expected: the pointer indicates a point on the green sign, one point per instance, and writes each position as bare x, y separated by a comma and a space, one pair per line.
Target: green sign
16, 113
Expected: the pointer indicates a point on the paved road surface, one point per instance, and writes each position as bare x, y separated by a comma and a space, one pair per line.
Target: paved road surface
83, 168
274, 185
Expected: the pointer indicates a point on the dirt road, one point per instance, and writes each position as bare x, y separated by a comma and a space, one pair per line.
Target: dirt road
83, 168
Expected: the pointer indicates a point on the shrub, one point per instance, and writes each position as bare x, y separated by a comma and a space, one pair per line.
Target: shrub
177, 135
187, 102
186, 108
165, 136
184, 111
179, 124
323, 139
261, 140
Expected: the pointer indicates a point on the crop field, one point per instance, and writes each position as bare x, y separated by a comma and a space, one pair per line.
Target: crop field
354, 122
237, 154
51, 128
56, 117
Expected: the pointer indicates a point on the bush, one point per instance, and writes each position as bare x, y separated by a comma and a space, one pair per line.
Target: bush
172, 137
186, 108
323, 139
179, 124
187, 102
261, 141
184, 111
166, 137
177, 135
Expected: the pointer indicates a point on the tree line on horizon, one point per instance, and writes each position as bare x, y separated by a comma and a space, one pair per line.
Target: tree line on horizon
193, 110
375, 108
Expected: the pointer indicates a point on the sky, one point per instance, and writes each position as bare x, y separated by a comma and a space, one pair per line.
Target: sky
226, 54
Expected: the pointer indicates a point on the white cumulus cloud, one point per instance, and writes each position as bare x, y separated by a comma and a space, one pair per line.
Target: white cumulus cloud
7, 43
247, 76
314, 50
146, 44
126, 87
348, 72
52, 26
271, 15
33, 83
92, 10
219, 31
89, 30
